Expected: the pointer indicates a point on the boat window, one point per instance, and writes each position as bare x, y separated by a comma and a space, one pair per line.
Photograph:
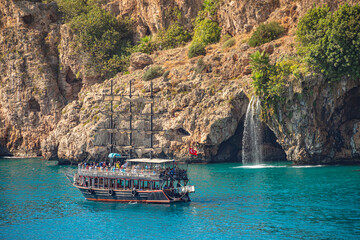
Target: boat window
136, 184
92, 182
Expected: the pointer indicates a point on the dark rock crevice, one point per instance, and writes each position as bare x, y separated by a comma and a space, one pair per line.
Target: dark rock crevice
71, 86
34, 105
28, 19
183, 132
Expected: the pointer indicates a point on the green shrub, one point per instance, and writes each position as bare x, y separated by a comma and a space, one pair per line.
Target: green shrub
206, 31
166, 75
261, 72
153, 72
145, 45
331, 41
313, 25
196, 49
172, 37
266, 33
211, 6
229, 43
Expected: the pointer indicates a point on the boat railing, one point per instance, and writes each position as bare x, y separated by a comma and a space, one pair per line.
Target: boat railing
116, 172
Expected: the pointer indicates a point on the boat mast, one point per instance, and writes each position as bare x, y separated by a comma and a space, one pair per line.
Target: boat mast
151, 117
130, 110
111, 120
130, 123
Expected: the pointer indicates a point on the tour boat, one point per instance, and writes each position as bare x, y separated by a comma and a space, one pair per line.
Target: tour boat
124, 178
137, 180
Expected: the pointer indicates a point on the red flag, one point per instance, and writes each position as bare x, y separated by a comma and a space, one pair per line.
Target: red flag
192, 151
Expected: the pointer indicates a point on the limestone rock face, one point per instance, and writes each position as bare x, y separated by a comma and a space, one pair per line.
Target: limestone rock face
30, 97
320, 124
242, 16
152, 15
40, 73
196, 116
196, 105
73, 73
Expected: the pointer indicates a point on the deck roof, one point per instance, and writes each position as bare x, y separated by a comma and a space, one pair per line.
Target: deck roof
150, 160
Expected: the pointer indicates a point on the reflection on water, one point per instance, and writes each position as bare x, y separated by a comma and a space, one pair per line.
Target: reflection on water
308, 166
232, 201
259, 166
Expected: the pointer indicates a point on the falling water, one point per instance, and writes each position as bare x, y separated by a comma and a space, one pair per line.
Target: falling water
252, 137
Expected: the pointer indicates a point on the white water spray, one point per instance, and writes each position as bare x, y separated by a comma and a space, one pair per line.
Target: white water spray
252, 137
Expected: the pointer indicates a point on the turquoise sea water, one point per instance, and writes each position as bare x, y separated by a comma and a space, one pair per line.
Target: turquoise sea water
232, 201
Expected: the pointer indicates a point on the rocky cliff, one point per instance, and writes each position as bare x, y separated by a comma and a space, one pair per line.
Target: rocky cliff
320, 122
150, 16
52, 106
31, 102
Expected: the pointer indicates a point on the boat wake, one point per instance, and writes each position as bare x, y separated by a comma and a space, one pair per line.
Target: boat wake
259, 166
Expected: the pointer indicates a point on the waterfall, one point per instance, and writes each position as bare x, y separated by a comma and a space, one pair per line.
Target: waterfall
252, 137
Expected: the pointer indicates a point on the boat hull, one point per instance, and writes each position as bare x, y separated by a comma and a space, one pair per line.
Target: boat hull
154, 196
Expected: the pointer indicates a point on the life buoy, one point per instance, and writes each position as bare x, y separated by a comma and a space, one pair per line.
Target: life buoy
133, 192
111, 192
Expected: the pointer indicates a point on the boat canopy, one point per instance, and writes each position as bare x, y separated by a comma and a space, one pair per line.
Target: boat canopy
150, 160
114, 155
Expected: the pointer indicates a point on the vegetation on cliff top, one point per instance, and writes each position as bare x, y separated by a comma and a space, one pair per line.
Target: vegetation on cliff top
206, 30
105, 39
270, 80
98, 33
331, 41
108, 41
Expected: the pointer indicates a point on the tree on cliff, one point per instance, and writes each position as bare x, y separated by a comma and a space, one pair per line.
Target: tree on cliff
331, 41
103, 37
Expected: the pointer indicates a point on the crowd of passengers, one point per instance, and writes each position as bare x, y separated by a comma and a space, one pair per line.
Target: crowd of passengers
103, 166
168, 173
174, 173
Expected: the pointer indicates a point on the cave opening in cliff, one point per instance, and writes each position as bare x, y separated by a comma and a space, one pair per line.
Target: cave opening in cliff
231, 149
75, 85
34, 105
272, 150
351, 104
